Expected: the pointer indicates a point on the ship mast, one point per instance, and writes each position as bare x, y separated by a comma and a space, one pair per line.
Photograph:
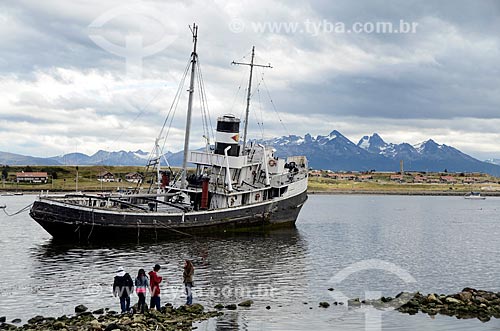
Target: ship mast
194, 57
249, 94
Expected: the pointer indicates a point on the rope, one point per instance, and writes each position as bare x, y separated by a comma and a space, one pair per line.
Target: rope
18, 212
174, 230
92, 228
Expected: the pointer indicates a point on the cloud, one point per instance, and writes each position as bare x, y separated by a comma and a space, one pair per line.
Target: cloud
59, 89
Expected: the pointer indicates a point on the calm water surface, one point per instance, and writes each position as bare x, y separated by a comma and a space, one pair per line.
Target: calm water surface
432, 244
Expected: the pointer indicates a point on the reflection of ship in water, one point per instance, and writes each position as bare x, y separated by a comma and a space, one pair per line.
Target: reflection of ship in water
263, 267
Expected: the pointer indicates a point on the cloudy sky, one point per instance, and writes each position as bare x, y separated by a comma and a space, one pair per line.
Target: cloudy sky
89, 75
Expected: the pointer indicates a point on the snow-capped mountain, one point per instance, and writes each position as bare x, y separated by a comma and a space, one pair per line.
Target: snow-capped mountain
425, 156
106, 158
333, 151
493, 161
336, 152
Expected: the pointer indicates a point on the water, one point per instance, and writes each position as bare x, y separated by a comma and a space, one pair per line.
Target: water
430, 244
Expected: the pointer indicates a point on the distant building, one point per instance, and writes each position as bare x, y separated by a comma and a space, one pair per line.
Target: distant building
365, 178
105, 176
133, 177
448, 179
397, 178
315, 173
419, 179
32, 177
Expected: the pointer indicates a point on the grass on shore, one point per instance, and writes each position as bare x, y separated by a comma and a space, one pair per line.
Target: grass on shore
319, 184
62, 178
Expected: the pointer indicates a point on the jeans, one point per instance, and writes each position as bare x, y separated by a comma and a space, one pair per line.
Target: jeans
155, 302
189, 293
142, 302
125, 304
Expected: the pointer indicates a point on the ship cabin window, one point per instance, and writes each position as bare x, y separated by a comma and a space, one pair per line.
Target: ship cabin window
277, 192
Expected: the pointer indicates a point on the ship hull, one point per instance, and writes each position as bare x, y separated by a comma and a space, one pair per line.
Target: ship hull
84, 224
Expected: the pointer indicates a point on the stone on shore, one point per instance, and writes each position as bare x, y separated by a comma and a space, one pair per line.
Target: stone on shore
246, 303
324, 304
354, 302
80, 309
167, 319
3, 319
231, 306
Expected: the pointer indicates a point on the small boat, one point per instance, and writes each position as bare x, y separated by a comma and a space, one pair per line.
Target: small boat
234, 188
474, 196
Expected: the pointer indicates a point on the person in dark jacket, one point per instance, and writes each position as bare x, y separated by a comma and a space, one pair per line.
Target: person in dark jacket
141, 285
122, 287
154, 284
188, 280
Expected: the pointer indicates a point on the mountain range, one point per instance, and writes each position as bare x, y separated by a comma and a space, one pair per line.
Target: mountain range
336, 152
333, 152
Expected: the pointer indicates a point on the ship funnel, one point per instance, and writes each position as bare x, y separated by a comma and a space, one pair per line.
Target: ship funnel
227, 135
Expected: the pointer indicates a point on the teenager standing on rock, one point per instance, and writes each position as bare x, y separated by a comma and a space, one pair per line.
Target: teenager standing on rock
141, 285
188, 280
154, 283
122, 287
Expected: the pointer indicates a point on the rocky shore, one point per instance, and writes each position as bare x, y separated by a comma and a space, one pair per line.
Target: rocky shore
469, 303
168, 318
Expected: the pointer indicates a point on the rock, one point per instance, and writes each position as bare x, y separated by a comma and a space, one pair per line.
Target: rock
80, 309
246, 303
7, 326
468, 289
59, 325
195, 308
3, 319
453, 301
219, 306
231, 306
324, 304
98, 311
463, 296
354, 302
36, 319
95, 325
431, 298
268, 307
478, 299
16, 321
111, 326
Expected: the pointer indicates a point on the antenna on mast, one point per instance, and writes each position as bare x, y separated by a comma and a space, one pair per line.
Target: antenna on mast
251, 64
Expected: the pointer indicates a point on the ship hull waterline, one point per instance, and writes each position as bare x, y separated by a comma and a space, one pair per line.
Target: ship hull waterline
83, 224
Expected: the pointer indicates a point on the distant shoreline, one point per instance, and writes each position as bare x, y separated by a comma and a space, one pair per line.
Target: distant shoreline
384, 192
310, 192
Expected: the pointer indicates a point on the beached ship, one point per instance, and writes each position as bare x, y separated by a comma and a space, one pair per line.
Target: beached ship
235, 186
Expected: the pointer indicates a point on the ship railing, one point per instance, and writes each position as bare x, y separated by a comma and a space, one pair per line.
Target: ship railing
210, 159
287, 178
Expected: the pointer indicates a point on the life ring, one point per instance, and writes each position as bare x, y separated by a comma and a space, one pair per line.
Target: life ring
257, 196
272, 162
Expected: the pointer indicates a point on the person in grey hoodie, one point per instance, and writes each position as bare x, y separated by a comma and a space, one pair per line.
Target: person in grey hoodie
141, 285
